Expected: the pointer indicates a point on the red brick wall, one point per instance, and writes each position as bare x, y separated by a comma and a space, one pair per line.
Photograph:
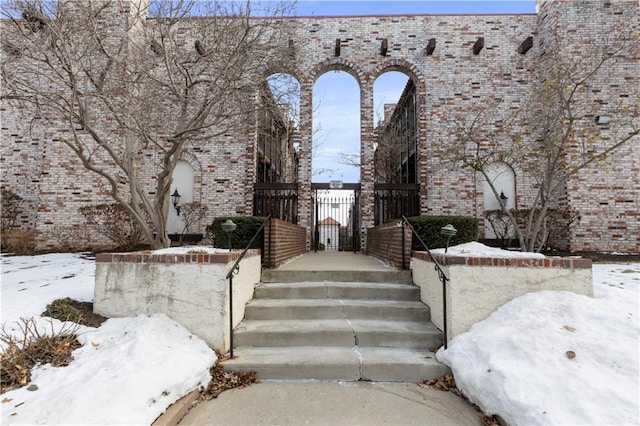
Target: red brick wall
386, 242
282, 241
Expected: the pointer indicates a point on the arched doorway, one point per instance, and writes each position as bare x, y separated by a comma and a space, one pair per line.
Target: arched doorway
336, 162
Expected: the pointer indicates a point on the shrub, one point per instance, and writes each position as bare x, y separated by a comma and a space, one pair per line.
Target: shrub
33, 347
72, 310
247, 227
20, 241
428, 227
12, 208
555, 226
116, 223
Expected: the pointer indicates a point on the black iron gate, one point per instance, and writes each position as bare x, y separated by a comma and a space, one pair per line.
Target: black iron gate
392, 201
336, 216
280, 200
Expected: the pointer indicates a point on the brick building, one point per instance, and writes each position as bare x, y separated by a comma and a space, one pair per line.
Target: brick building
455, 64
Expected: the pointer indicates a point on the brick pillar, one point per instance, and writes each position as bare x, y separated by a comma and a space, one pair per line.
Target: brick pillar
304, 171
366, 159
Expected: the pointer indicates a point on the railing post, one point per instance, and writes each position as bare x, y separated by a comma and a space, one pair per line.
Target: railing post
234, 270
231, 316
441, 274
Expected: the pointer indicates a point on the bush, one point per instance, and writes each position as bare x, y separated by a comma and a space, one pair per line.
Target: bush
247, 227
12, 208
33, 347
428, 227
555, 229
116, 223
72, 310
20, 241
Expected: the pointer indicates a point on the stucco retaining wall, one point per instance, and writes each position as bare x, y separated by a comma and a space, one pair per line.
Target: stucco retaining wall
191, 289
478, 286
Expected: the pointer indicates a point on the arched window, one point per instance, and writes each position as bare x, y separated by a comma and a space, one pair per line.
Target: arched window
504, 181
183, 179
503, 178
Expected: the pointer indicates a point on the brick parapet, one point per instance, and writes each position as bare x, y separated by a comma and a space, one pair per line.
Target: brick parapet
150, 257
533, 262
282, 241
390, 242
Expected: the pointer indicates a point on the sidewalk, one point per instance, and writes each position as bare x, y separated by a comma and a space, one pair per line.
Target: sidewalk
333, 403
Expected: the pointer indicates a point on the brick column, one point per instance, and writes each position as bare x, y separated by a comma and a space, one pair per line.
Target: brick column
304, 172
366, 159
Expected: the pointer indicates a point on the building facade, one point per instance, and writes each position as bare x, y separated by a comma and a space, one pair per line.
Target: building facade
456, 64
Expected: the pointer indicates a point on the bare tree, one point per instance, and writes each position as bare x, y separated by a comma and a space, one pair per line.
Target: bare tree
559, 131
121, 83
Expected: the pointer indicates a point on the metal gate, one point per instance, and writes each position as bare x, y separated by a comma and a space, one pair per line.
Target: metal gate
336, 216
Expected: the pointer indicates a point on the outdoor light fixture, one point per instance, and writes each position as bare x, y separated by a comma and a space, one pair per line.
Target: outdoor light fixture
175, 199
503, 198
228, 226
448, 231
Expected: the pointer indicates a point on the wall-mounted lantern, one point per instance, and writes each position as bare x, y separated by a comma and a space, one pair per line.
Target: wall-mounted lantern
229, 226
448, 231
175, 199
503, 199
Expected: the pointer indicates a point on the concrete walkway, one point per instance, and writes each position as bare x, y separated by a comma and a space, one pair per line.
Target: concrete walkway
335, 261
333, 403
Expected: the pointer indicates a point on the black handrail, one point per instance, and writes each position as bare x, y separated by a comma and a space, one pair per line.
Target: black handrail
441, 274
234, 270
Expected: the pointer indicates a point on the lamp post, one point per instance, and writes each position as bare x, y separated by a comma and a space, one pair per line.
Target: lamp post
228, 226
175, 199
448, 231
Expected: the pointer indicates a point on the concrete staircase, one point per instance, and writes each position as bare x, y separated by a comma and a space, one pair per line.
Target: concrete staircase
334, 328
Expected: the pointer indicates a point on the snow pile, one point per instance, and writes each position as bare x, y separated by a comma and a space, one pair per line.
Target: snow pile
189, 250
475, 249
128, 371
557, 357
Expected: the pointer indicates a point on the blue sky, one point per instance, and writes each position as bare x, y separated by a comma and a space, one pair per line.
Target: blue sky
372, 7
336, 94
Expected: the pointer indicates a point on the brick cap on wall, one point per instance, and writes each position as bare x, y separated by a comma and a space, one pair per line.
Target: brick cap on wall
149, 257
547, 262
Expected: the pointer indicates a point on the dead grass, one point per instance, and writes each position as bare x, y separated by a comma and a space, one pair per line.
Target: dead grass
31, 347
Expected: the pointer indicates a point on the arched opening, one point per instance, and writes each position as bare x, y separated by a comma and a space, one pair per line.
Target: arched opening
336, 128
182, 181
335, 159
277, 145
396, 147
502, 177
277, 138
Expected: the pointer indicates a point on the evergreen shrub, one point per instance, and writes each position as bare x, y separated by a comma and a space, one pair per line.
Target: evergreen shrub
428, 227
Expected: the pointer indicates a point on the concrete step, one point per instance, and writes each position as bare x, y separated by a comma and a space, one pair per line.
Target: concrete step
337, 332
338, 363
272, 309
293, 276
337, 290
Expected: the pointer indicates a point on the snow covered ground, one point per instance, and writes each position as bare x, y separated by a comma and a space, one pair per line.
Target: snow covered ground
516, 363
128, 371
552, 358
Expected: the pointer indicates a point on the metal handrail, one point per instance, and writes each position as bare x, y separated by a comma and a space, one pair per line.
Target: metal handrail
441, 274
234, 270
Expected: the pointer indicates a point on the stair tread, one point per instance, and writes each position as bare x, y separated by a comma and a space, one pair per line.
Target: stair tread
335, 302
336, 284
328, 325
328, 355
338, 363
